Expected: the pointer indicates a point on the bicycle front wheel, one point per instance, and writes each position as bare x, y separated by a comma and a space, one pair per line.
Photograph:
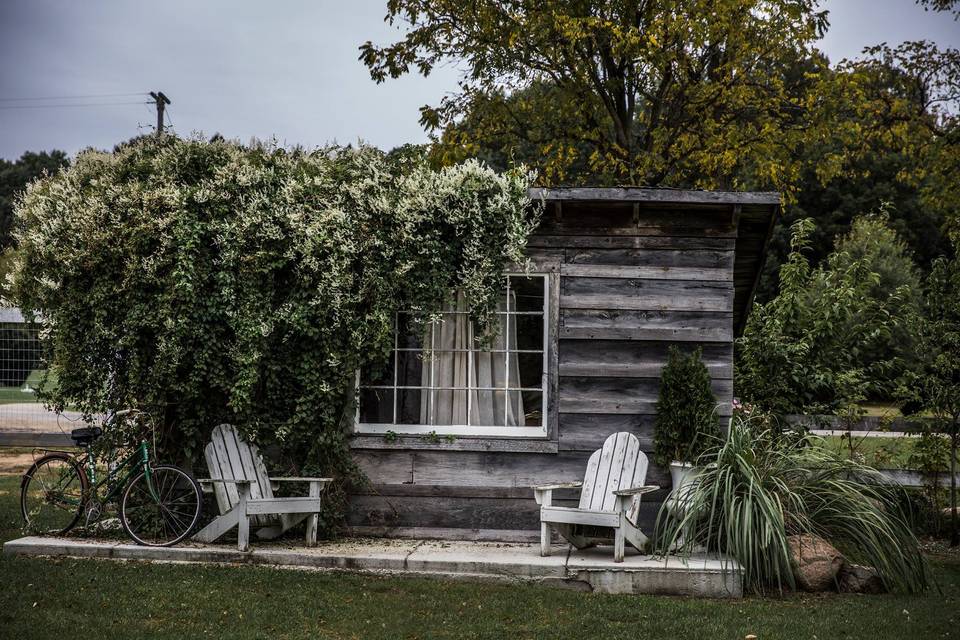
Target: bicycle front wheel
161, 506
52, 494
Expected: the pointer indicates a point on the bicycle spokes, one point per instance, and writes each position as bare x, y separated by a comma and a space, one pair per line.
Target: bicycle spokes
52, 497
162, 510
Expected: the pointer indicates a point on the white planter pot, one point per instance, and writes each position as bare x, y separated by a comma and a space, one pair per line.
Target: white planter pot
681, 473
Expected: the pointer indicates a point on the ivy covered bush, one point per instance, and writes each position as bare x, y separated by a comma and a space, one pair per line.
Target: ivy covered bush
686, 423
208, 282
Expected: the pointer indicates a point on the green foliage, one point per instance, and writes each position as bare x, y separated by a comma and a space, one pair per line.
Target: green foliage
937, 384
882, 128
662, 92
686, 422
208, 282
835, 334
760, 487
15, 176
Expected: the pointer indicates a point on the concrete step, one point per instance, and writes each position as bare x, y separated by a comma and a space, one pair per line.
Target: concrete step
588, 570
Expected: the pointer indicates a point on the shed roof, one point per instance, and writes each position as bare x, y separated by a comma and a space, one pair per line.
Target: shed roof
754, 212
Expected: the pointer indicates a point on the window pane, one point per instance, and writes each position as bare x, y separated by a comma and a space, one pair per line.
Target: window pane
410, 369
376, 406
488, 408
530, 367
451, 332
529, 331
409, 332
489, 369
450, 368
449, 407
378, 373
411, 406
527, 293
531, 405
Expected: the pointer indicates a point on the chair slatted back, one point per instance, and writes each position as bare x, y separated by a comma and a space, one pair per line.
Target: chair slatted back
230, 458
619, 464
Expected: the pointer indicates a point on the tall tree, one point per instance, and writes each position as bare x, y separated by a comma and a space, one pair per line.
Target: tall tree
886, 131
656, 92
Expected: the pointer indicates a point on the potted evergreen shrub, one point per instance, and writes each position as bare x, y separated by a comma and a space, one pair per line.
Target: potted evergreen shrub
686, 422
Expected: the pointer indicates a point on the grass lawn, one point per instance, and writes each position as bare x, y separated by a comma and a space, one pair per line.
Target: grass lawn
105, 599
880, 453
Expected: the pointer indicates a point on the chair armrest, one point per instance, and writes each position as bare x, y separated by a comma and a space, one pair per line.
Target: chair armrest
323, 480
557, 485
222, 480
636, 491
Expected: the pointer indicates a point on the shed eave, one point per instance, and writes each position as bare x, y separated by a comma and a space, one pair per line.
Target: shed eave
660, 194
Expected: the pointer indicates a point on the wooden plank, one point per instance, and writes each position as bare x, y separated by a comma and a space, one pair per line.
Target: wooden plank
35, 439
653, 258
453, 519
575, 228
640, 194
283, 505
470, 469
584, 516
586, 431
652, 295
679, 244
625, 324
590, 477
615, 358
617, 464
385, 467
625, 395
227, 469
594, 500
411, 443
438, 512
710, 274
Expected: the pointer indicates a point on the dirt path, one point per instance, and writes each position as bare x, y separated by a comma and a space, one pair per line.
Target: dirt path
14, 464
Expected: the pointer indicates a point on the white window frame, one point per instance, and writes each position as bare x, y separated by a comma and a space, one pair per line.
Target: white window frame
497, 431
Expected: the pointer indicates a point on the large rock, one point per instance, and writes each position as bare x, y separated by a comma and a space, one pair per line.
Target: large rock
816, 562
856, 578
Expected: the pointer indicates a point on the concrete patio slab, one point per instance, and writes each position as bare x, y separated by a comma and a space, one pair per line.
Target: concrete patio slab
589, 570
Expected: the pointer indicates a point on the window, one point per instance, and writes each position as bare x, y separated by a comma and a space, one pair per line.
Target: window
439, 379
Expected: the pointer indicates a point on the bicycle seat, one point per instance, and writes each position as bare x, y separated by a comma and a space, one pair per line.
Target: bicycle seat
83, 437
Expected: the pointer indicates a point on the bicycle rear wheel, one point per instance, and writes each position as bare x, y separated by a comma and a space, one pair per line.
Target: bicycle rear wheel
162, 509
52, 494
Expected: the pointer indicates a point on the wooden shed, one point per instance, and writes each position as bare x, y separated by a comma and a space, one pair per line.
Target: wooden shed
452, 441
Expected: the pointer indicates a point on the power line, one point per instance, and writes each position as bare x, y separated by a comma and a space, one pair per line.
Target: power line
58, 106
84, 97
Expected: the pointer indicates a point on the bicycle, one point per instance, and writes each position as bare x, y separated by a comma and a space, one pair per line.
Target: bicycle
159, 504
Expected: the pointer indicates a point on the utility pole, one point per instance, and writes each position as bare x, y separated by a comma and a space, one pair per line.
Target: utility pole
161, 102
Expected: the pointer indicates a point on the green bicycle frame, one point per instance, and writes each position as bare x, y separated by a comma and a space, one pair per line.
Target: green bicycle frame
140, 458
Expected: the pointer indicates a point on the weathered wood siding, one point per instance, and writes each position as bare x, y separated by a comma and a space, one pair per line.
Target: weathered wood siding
634, 280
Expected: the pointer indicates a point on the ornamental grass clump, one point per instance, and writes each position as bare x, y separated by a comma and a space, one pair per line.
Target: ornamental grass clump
759, 487
209, 282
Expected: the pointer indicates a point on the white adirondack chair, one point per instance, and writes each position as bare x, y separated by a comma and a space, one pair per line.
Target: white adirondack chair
245, 493
609, 498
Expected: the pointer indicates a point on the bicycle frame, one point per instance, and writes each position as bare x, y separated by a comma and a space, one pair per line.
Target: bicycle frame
140, 458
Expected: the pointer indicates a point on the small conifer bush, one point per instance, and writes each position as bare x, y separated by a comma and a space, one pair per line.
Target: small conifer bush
686, 423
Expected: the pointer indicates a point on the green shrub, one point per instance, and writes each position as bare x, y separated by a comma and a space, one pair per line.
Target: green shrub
686, 422
835, 334
209, 282
760, 487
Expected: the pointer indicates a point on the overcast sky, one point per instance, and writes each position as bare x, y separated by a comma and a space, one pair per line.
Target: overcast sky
263, 69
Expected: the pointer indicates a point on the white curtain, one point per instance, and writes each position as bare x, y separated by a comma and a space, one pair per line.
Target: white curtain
452, 369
